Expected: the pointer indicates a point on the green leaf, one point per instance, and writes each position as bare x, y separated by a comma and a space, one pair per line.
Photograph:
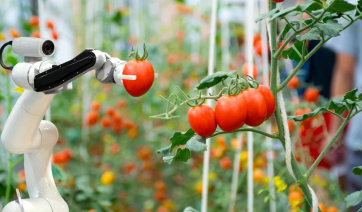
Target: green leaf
359, 8
182, 155
117, 18
357, 170
339, 6
285, 12
331, 28
359, 210
56, 172
197, 144
307, 115
179, 138
291, 52
354, 198
351, 95
215, 79
338, 107
268, 14
164, 151
286, 29
313, 34
311, 5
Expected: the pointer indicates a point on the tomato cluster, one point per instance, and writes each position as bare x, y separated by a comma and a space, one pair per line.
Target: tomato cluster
62, 157
251, 106
111, 119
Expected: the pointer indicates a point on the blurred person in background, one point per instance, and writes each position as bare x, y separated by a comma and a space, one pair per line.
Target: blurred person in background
346, 76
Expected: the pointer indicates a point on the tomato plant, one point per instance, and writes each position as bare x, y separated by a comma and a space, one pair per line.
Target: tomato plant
260, 102
311, 94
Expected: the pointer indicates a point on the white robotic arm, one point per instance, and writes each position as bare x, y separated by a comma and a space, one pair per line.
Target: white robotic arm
25, 131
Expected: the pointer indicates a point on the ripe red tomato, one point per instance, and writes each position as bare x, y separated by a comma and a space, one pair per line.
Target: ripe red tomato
122, 103
14, 33
306, 123
290, 126
256, 39
92, 118
230, 113
145, 76
258, 47
110, 112
256, 107
50, 24
159, 196
245, 69
95, 106
117, 118
117, 127
35, 34
293, 83
202, 120
54, 35
225, 163
106, 122
269, 99
311, 95
160, 185
34, 21
277, 1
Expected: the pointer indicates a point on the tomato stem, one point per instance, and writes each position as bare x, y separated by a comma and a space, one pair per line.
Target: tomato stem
275, 136
134, 53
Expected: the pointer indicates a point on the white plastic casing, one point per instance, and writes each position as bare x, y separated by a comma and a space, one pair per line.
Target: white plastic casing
20, 75
29, 47
25, 132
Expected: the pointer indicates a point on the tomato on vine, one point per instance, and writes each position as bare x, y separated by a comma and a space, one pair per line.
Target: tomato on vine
202, 120
269, 99
225, 163
106, 122
290, 126
277, 1
256, 39
293, 83
144, 72
256, 107
311, 95
230, 113
34, 21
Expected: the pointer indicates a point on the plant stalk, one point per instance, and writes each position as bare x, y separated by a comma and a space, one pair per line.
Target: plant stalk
301, 180
325, 150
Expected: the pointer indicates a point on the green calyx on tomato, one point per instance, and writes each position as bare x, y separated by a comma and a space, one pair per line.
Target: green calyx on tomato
134, 53
237, 85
